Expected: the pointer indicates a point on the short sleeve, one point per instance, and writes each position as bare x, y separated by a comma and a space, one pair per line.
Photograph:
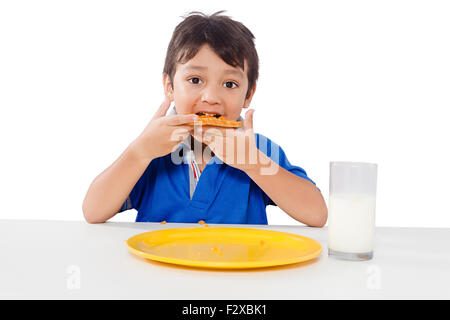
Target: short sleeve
135, 197
276, 153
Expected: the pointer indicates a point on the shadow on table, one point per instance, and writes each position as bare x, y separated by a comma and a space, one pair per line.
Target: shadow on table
200, 269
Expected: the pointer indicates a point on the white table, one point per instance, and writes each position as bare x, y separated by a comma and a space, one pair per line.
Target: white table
76, 260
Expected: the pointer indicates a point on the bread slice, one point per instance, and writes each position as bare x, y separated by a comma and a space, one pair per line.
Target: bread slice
215, 120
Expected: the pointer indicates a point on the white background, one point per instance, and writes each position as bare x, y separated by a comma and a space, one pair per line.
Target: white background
339, 80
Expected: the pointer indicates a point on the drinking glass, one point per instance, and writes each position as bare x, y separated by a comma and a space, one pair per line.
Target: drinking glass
351, 221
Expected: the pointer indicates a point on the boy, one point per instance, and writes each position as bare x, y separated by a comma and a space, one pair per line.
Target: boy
175, 171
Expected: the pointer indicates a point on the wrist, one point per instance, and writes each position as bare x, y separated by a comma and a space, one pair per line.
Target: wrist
254, 169
135, 152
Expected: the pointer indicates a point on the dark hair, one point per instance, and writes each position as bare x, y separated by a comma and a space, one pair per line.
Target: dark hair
229, 39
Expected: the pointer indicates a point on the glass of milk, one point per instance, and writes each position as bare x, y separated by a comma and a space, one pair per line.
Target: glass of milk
351, 210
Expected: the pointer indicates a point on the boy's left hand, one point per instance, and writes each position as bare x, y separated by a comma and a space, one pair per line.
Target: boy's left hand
237, 148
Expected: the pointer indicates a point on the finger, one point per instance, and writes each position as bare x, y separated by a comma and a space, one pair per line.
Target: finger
162, 110
179, 134
203, 129
180, 119
215, 130
186, 128
248, 122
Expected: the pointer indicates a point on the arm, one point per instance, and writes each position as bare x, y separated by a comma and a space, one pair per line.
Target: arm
110, 188
296, 196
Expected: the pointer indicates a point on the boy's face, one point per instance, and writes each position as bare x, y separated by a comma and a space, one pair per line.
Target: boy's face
207, 83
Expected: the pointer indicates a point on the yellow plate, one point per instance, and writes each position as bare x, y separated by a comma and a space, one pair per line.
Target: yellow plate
223, 247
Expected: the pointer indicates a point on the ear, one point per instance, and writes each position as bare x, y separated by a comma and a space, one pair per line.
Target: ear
249, 98
168, 87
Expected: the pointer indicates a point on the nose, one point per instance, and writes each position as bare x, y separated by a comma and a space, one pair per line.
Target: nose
210, 95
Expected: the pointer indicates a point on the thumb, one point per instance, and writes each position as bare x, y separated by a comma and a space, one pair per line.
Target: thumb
248, 121
162, 110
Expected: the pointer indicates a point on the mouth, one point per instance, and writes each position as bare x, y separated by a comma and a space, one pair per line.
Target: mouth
201, 113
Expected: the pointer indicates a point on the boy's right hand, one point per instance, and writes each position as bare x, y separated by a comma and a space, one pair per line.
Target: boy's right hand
162, 134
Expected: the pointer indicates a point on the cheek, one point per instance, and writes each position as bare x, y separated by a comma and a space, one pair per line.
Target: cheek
184, 99
235, 106
238, 98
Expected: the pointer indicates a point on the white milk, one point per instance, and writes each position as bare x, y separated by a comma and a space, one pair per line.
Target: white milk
351, 224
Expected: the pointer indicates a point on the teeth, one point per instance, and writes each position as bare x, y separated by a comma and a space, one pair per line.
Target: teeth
210, 114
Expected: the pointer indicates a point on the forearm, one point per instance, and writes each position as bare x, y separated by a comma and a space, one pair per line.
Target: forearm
296, 196
110, 189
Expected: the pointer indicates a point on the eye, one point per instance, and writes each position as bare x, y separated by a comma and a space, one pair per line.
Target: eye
230, 84
194, 80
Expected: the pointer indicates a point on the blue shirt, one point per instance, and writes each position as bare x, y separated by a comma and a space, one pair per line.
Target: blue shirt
223, 194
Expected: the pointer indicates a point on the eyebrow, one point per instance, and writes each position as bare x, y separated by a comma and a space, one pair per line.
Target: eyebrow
228, 71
